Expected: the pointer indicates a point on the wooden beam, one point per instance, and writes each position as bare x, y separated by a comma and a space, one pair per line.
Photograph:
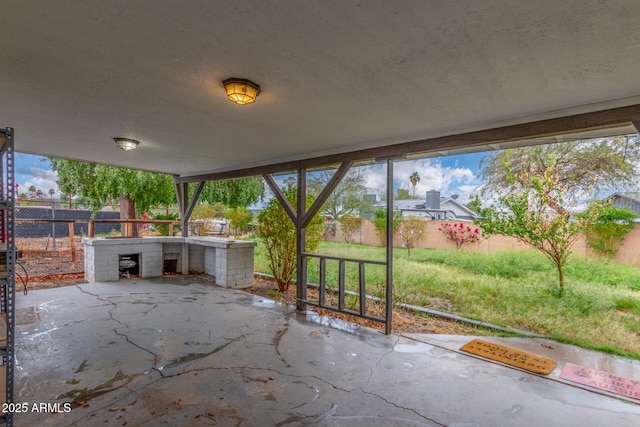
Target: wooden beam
549, 127
284, 202
194, 200
326, 192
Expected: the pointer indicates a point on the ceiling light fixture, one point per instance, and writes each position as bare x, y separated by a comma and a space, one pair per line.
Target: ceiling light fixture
126, 144
241, 91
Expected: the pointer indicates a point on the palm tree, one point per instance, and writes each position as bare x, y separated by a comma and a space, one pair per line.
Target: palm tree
415, 179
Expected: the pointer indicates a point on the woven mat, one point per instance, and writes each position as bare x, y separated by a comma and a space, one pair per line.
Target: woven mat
510, 356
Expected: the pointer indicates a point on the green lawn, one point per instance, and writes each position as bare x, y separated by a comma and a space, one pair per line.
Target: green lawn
599, 309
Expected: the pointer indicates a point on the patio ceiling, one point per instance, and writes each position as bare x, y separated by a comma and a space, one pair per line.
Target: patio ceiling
337, 76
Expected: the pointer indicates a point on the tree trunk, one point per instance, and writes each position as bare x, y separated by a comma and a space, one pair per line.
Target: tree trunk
128, 211
560, 278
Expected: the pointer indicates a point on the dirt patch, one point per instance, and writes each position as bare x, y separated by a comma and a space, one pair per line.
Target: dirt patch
404, 321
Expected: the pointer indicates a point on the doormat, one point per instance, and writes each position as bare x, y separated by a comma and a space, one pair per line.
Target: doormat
510, 356
602, 380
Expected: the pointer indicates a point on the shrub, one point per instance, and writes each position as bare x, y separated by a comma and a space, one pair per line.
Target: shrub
380, 223
349, 224
411, 232
606, 230
460, 234
163, 229
278, 233
240, 218
329, 228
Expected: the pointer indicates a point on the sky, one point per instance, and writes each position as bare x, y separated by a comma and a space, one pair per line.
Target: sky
32, 170
450, 175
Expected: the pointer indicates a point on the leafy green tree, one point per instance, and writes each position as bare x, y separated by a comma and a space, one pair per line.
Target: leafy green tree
97, 184
414, 179
580, 168
607, 227
380, 224
346, 198
233, 193
537, 187
139, 190
278, 233
349, 224
411, 232
528, 214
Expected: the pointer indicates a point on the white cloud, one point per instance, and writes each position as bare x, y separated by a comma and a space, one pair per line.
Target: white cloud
43, 179
433, 176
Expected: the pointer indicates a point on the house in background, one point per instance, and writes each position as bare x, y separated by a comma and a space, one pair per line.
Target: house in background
435, 207
629, 200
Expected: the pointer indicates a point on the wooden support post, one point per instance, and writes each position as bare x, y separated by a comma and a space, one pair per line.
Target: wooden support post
92, 229
72, 242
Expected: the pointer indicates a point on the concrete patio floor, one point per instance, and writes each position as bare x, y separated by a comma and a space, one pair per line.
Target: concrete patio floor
180, 352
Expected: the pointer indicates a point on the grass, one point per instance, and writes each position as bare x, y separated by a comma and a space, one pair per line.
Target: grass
600, 308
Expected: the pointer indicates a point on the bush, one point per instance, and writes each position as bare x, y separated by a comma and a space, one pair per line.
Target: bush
380, 223
163, 229
240, 219
411, 232
349, 224
607, 231
460, 234
278, 233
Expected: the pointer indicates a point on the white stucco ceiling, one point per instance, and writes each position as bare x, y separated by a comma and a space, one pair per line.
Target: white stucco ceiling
336, 75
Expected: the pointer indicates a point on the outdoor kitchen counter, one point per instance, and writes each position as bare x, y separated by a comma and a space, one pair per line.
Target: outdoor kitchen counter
229, 261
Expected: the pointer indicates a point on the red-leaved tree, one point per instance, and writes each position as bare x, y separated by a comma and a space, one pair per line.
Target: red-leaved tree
460, 233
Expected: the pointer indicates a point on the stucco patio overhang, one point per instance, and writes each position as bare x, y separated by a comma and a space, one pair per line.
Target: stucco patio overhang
337, 77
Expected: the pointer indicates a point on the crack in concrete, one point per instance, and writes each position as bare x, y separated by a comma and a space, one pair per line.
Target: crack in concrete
276, 340
371, 371
156, 358
304, 377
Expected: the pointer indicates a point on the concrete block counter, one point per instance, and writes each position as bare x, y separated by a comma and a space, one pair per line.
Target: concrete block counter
229, 261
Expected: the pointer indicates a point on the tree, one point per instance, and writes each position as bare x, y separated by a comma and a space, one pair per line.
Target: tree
97, 184
349, 224
529, 215
414, 179
402, 194
411, 232
581, 168
380, 224
538, 186
346, 198
32, 192
233, 193
240, 218
460, 234
278, 233
139, 190
608, 227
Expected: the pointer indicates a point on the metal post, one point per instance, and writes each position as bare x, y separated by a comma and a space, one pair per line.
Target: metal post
53, 224
301, 270
389, 290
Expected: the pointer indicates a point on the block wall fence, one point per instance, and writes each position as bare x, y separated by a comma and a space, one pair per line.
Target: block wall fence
629, 252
